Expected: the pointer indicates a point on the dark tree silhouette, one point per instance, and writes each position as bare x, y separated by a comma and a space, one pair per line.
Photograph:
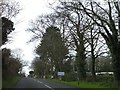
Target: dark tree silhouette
10, 65
52, 49
7, 27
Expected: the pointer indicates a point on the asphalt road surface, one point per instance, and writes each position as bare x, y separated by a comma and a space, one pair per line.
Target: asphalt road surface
27, 82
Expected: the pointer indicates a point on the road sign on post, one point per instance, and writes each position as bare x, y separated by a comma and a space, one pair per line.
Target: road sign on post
61, 73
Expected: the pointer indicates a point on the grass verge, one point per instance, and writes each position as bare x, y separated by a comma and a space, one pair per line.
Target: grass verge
81, 84
10, 82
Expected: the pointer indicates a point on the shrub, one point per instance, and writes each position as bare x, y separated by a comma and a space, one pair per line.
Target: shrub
70, 77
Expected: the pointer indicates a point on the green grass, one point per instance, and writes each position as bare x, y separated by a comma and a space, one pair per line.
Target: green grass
10, 82
82, 84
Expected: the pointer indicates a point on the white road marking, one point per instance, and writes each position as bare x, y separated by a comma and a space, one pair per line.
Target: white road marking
39, 81
36, 80
47, 86
43, 83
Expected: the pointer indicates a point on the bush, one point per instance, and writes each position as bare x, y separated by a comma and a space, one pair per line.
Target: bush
106, 78
70, 77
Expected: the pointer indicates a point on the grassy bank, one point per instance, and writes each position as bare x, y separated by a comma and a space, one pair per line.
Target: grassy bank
10, 82
81, 84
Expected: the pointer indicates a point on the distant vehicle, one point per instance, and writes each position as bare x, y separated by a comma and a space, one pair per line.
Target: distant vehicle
103, 73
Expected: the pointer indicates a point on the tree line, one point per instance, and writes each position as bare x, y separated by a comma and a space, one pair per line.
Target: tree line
90, 29
11, 66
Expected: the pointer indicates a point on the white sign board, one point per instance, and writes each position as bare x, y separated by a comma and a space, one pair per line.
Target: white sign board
61, 73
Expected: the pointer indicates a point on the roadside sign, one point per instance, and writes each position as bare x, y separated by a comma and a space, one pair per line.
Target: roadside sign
61, 73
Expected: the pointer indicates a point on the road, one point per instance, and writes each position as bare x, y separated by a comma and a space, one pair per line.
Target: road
28, 82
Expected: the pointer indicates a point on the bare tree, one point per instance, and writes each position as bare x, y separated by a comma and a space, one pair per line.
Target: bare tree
9, 8
96, 46
77, 24
38, 26
108, 20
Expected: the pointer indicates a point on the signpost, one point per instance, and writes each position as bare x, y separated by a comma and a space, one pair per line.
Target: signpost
60, 74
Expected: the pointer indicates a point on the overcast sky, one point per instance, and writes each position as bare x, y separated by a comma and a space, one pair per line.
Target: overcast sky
30, 10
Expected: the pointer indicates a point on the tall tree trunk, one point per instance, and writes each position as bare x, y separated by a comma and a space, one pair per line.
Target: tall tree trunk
93, 67
92, 54
81, 61
81, 68
115, 52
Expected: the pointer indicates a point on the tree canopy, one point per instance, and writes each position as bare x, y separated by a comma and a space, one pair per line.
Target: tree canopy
52, 49
7, 28
90, 29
